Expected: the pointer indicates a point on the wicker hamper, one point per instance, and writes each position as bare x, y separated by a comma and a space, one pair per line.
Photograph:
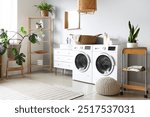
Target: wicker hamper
16, 45
88, 39
9, 51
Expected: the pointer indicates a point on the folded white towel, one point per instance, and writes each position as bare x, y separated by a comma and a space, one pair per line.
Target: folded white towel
136, 68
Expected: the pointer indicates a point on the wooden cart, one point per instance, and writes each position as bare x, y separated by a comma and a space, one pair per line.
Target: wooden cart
124, 80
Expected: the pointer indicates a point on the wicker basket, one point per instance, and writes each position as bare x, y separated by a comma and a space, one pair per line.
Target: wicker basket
9, 51
88, 39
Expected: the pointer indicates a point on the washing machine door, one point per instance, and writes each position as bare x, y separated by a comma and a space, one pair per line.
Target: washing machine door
82, 62
105, 64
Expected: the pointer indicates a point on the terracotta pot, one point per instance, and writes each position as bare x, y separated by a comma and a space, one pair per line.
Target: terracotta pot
132, 45
44, 13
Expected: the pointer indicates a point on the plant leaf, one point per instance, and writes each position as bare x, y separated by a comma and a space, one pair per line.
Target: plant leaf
136, 33
22, 54
2, 49
20, 58
14, 51
23, 31
33, 38
129, 23
3, 35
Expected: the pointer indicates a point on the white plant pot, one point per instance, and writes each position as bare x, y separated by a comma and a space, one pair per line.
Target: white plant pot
132, 45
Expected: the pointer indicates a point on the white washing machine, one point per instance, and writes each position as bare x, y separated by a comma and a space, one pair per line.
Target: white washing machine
106, 62
82, 63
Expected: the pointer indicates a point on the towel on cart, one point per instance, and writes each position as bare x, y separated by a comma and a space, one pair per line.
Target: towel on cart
136, 68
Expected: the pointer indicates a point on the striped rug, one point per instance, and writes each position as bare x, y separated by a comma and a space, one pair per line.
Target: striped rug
34, 90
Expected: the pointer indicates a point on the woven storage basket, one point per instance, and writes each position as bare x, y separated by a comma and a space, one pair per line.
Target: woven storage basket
9, 51
88, 39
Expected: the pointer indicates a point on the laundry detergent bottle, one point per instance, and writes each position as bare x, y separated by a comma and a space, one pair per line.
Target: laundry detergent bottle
106, 39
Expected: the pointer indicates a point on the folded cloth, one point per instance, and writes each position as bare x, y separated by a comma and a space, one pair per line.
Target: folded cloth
136, 68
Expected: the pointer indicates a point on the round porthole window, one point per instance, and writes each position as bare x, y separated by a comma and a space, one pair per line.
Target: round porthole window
82, 62
105, 64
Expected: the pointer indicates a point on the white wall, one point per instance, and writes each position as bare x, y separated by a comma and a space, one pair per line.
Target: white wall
10, 13
8, 21
112, 16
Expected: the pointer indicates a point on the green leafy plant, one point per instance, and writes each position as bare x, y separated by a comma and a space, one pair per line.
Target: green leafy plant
45, 6
19, 57
5, 43
133, 33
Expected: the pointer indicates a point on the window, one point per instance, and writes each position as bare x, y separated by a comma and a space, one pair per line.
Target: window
8, 11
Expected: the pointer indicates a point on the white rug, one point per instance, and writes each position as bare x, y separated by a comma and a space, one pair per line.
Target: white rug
30, 89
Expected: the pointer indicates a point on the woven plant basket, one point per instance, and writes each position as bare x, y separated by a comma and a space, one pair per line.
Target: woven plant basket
88, 39
44, 13
9, 51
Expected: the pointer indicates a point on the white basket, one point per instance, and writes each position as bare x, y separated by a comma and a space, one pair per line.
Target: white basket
39, 62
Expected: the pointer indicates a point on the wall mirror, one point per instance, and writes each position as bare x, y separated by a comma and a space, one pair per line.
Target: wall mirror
72, 20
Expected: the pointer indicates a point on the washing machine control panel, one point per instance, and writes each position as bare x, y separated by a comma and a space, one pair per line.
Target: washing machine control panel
112, 48
81, 47
87, 47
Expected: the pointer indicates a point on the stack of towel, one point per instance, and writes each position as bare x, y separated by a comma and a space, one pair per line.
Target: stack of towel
135, 68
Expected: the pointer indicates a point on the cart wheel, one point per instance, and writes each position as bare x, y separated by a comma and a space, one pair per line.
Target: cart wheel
124, 89
121, 93
147, 91
145, 96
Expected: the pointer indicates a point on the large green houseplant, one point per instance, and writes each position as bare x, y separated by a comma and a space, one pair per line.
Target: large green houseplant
133, 33
45, 8
5, 43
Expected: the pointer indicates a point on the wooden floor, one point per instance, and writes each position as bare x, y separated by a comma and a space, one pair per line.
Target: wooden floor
88, 89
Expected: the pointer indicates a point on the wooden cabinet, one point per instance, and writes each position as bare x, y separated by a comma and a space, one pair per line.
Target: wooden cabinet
40, 54
125, 84
63, 58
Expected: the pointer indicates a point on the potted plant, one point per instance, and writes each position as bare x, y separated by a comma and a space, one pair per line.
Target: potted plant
13, 50
133, 33
45, 8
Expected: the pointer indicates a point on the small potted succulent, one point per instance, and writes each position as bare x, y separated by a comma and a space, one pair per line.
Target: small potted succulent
133, 33
45, 8
13, 49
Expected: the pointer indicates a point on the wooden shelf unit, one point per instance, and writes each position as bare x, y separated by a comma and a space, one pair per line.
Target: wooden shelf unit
10, 69
49, 41
0, 66
126, 85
